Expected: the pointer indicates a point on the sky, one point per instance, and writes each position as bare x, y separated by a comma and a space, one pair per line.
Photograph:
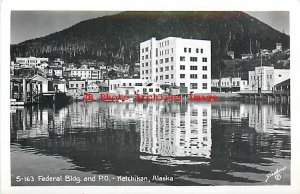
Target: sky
27, 25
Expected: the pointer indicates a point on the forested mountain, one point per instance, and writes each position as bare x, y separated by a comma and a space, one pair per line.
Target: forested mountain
116, 38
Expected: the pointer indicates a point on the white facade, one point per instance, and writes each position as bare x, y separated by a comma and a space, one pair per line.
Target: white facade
178, 61
31, 61
228, 82
86, 73
266, 78
119, 83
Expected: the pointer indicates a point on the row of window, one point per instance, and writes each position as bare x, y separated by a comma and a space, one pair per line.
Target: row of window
193, 59
164, 43
195, 85
193, 76
182, 76
124, 84
72, 85
193, 67
268, 77
167, 68
190, 50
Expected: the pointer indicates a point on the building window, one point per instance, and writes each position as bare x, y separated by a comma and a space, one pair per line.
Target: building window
138, 84
124, 84
237, 83
146, 49
204, 85
193, 59
201, 50
146, 64
143, 72
167, 68
172, 59
142, 57
193, 85
156, 69
167, 76
204, 68
182, 58
190, 50
193, 67
197, 50
204, 59
270, 76
193, 76
172, 67
150, 89
204, 76
72, 85
161, 61
161, 69
185, 50
172, 50
157, 90
146, 56
182, 76
144, 90
172, 76
161, 77
182, 67
182, 84
146, 71
166, 60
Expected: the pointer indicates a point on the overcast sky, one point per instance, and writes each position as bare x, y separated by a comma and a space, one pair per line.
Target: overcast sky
27, 25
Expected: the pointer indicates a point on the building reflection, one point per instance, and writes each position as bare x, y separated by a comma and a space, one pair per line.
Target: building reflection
177, 130
264, 118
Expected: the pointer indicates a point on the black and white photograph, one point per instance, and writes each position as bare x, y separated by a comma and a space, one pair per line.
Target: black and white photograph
149, 98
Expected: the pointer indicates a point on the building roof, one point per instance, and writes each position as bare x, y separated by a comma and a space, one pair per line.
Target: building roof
284, 83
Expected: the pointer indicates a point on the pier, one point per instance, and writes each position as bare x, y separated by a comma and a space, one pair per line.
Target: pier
269, 96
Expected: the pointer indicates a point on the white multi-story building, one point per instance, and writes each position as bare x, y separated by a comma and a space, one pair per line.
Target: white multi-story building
266, 78
178, 61
31, 61
85, 74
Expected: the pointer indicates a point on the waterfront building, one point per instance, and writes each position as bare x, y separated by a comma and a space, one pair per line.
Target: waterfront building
229, 84
178, 61
33, 62
46, 84
92, 88
264, 78
125, 83
60, 86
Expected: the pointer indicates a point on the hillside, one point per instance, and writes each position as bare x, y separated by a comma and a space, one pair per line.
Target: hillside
116, 38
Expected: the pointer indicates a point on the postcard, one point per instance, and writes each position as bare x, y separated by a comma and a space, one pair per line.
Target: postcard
138, 98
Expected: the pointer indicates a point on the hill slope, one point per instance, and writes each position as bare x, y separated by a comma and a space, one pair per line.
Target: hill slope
116, 38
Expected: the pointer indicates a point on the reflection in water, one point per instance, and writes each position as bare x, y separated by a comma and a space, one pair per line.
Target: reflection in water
177, 130
196, 143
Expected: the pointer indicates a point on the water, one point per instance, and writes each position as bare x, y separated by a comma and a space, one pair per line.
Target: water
219, 143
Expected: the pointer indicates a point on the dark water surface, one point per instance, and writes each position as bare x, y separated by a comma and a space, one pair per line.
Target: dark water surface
112, 143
